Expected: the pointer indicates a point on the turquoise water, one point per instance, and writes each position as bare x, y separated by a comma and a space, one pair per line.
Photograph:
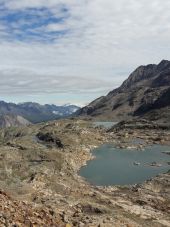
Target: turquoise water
114, 166
105, 124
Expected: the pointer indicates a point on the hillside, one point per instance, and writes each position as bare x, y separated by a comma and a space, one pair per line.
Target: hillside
12, 120
146, 93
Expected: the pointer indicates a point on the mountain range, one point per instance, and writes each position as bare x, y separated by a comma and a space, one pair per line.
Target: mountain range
36, 113
145, 94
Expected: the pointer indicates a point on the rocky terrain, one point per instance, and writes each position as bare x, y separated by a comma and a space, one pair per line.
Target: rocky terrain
40, 185
146, 93
22, 213
36, 113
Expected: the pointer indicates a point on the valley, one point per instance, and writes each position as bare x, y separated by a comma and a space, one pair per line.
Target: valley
40, 174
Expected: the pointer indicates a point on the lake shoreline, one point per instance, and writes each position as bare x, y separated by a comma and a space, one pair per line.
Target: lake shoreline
135, 160
53, 180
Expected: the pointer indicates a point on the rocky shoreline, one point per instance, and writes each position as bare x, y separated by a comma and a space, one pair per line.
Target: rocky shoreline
44, 174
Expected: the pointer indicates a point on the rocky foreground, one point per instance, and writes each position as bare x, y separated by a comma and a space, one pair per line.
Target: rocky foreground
40, 185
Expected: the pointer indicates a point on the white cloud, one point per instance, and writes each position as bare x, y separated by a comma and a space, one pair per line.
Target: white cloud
19, 81
56, 27
104, 41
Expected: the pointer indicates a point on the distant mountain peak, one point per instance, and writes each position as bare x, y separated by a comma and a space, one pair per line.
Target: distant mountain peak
163, 64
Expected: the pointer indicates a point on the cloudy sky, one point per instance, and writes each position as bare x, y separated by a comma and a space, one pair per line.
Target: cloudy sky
72, 51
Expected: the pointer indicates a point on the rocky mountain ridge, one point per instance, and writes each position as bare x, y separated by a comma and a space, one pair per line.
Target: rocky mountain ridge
146, 93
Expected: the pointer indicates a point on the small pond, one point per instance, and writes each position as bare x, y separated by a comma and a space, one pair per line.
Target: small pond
115, 166
105, 124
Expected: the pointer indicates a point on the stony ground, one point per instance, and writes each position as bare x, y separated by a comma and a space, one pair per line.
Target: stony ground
40, 185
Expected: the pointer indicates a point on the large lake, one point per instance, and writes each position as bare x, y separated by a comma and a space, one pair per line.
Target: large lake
114, 166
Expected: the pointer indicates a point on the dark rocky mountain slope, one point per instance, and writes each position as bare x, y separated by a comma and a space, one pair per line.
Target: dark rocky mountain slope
146, 93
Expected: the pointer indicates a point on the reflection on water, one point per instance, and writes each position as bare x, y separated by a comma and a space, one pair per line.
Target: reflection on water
122, 166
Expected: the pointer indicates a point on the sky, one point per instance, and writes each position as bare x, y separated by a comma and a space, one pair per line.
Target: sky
73, 51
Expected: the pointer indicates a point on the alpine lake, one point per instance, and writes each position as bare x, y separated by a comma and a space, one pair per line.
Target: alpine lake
117, 166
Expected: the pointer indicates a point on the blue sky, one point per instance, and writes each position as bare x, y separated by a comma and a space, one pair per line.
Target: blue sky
27, 25
69, 51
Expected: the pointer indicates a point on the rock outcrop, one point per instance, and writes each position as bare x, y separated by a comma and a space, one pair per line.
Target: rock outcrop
50, 139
